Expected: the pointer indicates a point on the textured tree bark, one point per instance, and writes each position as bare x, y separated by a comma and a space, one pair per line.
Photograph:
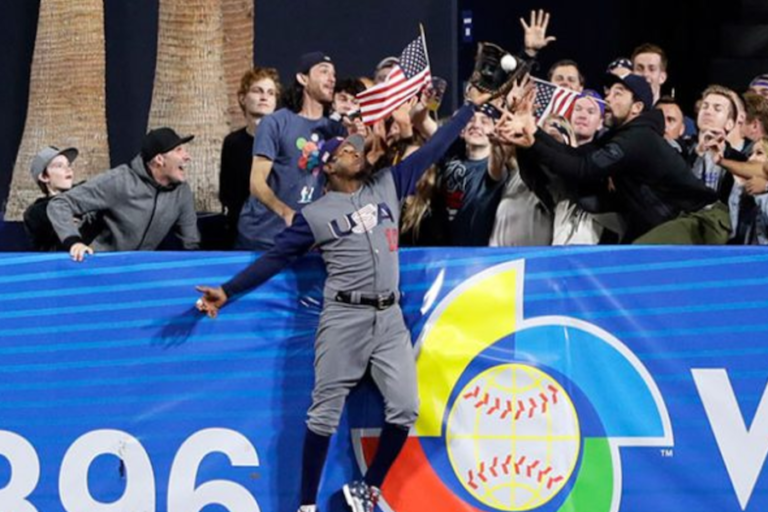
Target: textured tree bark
67, 95
190, 93
238, 52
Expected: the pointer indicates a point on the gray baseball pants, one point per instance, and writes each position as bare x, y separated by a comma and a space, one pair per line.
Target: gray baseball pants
349, 339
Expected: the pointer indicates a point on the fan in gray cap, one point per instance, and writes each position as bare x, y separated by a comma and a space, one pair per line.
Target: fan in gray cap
46, 155
53, 175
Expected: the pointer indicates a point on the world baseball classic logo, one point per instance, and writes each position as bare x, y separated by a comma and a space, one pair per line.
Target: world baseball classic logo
518, 414
513, 437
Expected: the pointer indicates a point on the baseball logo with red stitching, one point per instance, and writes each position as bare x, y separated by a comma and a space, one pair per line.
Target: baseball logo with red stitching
513, 437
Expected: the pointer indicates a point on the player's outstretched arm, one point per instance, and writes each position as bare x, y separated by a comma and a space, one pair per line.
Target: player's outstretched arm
290, 244
408, 172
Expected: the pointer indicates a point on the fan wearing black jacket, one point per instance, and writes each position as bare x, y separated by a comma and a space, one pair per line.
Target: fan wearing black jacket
652, 185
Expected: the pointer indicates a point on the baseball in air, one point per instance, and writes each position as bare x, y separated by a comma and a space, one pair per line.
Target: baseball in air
508, 63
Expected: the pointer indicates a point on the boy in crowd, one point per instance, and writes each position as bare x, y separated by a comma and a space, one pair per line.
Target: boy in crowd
471, 186
52, 171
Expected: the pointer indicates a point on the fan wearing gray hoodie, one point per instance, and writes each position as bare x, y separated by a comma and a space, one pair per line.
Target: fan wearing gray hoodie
140, 202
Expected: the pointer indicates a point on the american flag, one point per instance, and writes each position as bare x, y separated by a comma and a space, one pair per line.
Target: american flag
552, 99
403, 82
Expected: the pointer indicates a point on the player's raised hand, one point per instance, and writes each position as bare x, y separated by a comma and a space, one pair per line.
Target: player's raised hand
476, 96
212, 301
535, 32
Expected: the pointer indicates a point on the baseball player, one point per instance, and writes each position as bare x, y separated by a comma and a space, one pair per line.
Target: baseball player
355, 226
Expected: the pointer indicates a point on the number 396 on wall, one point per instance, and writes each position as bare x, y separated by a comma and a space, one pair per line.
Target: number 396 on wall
139, 494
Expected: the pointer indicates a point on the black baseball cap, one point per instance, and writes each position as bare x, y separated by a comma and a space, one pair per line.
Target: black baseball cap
310, 60
641, 89
160, 141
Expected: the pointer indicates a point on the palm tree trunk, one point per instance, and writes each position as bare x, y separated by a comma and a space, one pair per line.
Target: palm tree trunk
190, 91
238, 52
67, 95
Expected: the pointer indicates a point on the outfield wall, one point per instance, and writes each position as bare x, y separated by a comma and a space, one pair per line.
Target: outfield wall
600, 379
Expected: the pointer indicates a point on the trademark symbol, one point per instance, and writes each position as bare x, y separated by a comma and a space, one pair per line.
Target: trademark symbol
667, 453
255, 476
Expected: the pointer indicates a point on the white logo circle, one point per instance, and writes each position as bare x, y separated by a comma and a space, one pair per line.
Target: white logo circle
513, 437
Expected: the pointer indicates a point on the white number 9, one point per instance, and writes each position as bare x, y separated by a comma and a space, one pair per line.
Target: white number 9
139, 492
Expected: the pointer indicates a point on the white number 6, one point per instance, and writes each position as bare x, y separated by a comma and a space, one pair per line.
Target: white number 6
182, 494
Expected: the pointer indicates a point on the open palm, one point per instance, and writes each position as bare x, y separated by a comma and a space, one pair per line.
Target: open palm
536, 31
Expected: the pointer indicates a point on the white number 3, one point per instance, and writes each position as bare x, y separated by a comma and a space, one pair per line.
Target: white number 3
25, 472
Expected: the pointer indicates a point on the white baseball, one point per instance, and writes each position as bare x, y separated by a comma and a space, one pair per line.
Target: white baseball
513, 437
508, 63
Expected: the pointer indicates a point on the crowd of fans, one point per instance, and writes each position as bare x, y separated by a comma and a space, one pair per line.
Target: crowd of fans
625, 165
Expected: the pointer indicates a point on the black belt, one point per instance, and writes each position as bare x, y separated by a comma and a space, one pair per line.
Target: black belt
379, 301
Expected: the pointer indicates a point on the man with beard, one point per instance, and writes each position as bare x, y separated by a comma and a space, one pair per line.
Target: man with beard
651, 183
281, 179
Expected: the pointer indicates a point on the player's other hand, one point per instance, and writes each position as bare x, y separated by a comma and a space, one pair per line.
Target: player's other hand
79, 250
212, 301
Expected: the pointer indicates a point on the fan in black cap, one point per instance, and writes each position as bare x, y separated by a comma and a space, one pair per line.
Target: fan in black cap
160, 141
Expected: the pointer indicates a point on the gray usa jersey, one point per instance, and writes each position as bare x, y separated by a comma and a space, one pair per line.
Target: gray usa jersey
358, 236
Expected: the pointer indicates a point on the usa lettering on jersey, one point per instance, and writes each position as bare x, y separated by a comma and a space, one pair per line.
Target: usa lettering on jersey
361, 221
